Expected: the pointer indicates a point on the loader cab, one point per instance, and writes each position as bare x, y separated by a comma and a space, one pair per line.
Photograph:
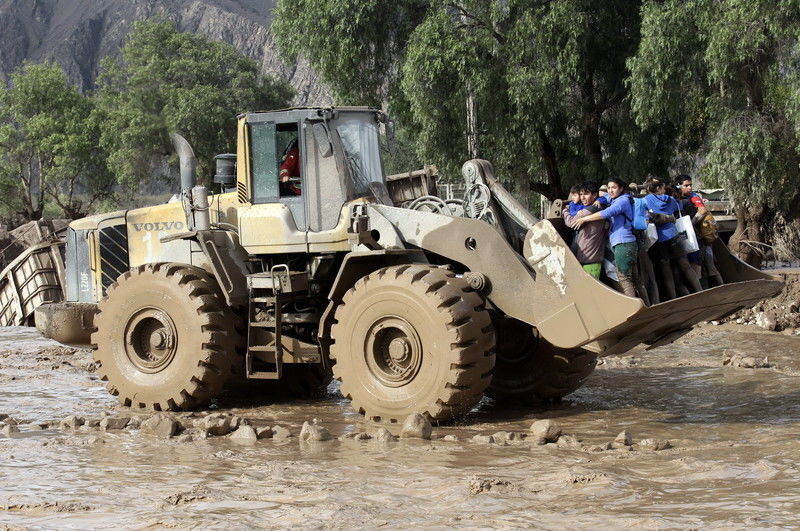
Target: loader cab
340, 160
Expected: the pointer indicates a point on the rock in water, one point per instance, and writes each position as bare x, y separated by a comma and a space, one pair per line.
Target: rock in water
416, 426
736, 358
160, 426
114, 423
264, 433
568, 441
71, 423
483, 439
313, 432
383, 435
280, 433
218, 424
655, 444
545, 431
9, 429
625, 438
245, 434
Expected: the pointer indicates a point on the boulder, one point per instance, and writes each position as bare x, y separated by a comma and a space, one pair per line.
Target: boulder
655, 444
568, 441
416, 426
244, 434
114, 423
483, 439
218, 424
767, 320
544, 431
500, 436
9, 430
383, 435
264, 433
160, 426
313, 432
451, 438
355, 436
71, 423
280, 433
624, 438
739, 359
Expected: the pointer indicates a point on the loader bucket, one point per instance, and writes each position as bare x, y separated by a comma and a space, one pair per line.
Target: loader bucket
546, 286
572, 309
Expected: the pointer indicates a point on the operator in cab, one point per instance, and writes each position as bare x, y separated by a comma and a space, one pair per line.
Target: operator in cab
289, 173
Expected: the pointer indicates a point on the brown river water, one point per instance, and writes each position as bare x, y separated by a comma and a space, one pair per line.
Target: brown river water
735, 460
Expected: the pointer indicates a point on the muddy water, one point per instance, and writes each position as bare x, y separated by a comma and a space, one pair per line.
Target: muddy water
735, 461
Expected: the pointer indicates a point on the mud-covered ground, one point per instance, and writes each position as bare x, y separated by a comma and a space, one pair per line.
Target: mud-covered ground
734, 460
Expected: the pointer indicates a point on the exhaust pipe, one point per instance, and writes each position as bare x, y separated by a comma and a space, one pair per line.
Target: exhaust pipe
194, 198
188, 161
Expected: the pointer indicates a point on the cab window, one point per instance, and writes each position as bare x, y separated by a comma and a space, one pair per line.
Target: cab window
270, 146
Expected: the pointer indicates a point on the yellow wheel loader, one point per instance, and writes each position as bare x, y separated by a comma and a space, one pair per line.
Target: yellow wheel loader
412, 309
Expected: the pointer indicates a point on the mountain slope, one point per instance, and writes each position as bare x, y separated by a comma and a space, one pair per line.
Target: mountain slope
77, 34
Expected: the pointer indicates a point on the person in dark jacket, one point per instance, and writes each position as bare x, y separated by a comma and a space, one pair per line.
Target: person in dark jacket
621, 237
666, 249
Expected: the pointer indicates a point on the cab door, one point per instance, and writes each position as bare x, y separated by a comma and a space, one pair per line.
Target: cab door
270, 221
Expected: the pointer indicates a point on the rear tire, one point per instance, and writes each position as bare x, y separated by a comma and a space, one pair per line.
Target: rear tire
530, 370
162, 338
412, 338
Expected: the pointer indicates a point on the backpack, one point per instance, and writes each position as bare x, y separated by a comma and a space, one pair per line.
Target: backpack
708, 229
639, 207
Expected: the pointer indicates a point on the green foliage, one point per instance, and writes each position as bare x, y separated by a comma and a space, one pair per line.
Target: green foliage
724, 74
170, 81
547, 77
353, 44
48, 145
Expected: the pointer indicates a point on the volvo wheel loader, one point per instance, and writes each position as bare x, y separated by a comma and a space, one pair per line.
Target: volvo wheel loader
413, 310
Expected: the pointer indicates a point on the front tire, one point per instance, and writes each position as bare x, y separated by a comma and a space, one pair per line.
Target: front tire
530, 370
162, 338
412, 338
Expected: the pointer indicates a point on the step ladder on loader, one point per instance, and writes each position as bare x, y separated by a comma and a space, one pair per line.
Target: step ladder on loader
269, 292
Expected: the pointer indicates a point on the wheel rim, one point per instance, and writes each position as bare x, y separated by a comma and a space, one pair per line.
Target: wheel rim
151, 340
393, 351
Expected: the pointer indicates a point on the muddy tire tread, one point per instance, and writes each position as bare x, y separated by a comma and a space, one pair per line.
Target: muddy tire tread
213, 366
468, 326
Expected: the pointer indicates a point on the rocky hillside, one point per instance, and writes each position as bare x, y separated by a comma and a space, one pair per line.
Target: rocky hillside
77, 34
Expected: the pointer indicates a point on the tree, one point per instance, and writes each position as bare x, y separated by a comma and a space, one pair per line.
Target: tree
170, 81
724, 74
546, 77
48, 145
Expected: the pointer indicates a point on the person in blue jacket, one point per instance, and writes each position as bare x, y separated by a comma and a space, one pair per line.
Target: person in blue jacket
664, 209
623, 241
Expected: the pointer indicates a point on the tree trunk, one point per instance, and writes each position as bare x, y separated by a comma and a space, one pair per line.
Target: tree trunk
749, 234
473, 136
552, 189
591, 145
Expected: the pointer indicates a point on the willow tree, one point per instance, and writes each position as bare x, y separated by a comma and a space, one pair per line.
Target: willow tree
724, 74
167, 81
545, 77
48, 146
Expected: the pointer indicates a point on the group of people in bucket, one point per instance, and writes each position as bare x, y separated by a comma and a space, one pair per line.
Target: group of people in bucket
655, 240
